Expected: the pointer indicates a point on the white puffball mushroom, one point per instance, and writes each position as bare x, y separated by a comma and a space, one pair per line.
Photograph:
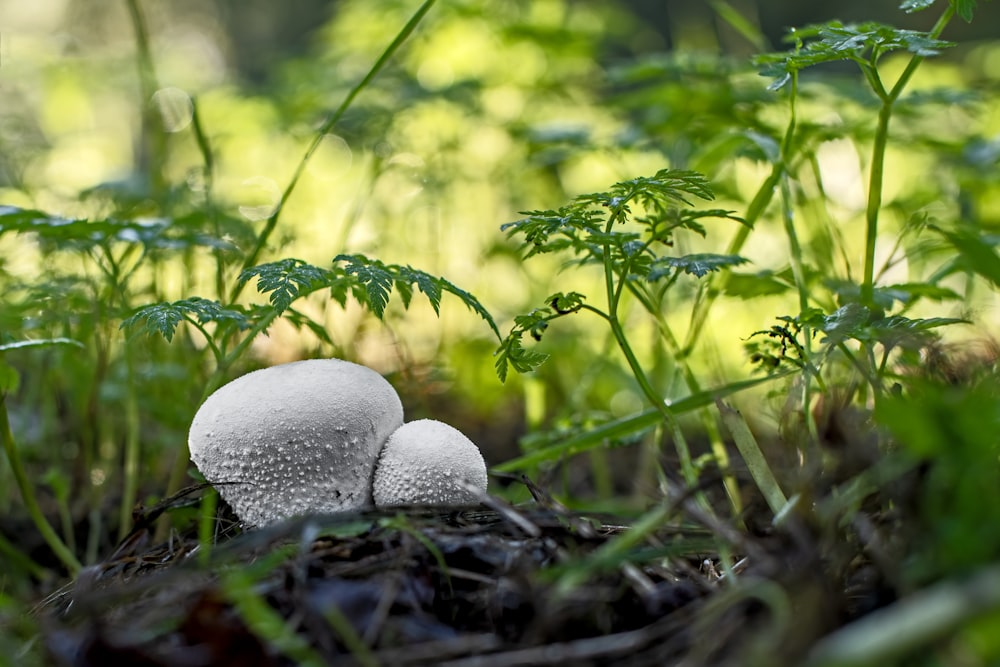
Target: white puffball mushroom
427, 462
295, 439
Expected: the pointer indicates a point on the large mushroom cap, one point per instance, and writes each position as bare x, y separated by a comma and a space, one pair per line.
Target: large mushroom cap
295, 439
427, 462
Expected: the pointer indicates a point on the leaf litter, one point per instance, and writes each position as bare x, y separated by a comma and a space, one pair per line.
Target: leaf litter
418, 586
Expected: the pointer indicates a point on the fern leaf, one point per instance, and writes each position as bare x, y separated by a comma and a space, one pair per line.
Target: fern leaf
697, 264
374, 276
164, 318
286, 280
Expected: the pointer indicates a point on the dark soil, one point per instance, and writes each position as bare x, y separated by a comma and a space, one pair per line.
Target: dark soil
485, 586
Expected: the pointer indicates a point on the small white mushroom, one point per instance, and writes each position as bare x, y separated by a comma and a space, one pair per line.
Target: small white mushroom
427, 462
295, 439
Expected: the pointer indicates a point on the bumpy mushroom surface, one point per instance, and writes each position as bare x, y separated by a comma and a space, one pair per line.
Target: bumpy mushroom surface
295, 439
425, 462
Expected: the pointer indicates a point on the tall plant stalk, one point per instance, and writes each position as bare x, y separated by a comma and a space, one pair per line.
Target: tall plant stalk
24, 485
877, 171
153, 140
325, 129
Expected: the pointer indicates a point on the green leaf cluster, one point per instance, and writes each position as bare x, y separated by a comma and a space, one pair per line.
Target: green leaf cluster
59, 233
863, 43
377, 280
164, 318
626, 230
369, 281
286, 280
783, 344
586, 225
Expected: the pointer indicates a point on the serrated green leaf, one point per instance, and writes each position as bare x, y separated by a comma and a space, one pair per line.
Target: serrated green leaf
567, 225
698, 264
164, 318
374, 276
581, 226
57, 230
587, 228
677, 218
427, 284
665, 188
534, 323
405, 292
512, 354
378, 279
286, 280
848, 291
899, 331
834, 41
616, 239
846, 322
565, 303
16, 219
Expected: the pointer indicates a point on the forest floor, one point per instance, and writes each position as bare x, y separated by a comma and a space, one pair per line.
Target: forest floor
488, 586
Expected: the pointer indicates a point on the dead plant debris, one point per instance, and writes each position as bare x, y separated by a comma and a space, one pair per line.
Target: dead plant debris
417, 587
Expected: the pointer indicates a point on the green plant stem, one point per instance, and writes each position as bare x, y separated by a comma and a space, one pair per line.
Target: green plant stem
764, 481
17, 559
133, 450
206, 526
650, 522
707, 420
618, 428
325, 129
874, 203
881, 141
710, 289
94, 531
208, 173
924, 619
66, 524
212, 346
154, 139
614, 294
264, 621
49, 534
788, 213
753, 457
180, 467
354, 643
